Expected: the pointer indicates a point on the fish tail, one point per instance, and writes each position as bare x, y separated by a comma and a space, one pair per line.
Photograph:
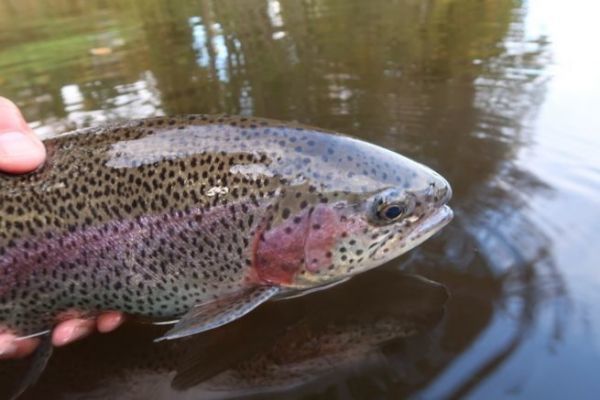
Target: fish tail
38, 362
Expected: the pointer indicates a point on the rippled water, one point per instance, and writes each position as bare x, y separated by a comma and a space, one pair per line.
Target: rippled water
499, 96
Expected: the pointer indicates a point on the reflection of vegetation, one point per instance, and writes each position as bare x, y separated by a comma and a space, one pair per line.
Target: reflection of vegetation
404, 67
324, 63
47, 52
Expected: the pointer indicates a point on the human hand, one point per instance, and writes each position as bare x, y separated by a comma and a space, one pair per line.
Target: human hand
22, 151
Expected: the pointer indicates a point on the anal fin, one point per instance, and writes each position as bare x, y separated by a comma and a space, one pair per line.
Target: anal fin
210, 315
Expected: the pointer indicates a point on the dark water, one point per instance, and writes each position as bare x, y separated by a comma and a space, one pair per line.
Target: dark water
501, 97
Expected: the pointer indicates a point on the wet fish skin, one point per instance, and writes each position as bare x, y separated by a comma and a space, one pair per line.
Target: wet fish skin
156, 216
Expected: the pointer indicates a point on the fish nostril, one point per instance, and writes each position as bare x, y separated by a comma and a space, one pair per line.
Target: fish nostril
438, 193
444, 195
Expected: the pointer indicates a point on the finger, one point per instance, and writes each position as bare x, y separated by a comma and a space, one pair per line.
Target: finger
109, 321
20, 149
10, 347
71, 330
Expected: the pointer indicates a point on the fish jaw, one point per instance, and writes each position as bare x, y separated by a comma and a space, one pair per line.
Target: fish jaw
432, 224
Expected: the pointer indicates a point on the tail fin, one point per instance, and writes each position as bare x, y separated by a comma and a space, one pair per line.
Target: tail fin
39, 360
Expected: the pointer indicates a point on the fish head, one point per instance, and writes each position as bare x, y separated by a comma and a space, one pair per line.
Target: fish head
354, 235
327, 230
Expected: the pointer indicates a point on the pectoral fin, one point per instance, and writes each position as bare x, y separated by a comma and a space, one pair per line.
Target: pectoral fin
206, 316
38, 363
292, 294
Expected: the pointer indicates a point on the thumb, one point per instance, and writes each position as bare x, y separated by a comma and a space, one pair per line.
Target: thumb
20, 149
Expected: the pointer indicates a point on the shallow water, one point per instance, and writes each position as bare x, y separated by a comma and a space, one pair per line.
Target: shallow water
499, 96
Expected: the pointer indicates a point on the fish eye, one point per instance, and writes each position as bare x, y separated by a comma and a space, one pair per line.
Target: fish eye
392, 212
389, 206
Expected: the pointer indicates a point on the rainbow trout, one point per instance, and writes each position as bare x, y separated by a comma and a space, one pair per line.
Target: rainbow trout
200, 219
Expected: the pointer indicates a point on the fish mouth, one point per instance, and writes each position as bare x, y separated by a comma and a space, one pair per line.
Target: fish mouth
431, 225
423, 230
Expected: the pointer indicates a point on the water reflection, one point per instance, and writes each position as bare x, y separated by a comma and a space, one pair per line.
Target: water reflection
453, 84
308, 345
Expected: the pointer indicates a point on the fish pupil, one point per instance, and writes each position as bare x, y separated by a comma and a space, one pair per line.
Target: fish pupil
393, 212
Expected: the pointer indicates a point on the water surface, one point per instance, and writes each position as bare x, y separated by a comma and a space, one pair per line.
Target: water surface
499, 96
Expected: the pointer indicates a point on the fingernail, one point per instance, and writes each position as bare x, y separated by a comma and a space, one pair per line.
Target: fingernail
17, 144
71, 334
6, 102
8, 349
109, 321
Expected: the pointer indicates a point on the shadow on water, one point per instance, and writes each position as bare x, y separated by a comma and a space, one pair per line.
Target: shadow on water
452, 84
